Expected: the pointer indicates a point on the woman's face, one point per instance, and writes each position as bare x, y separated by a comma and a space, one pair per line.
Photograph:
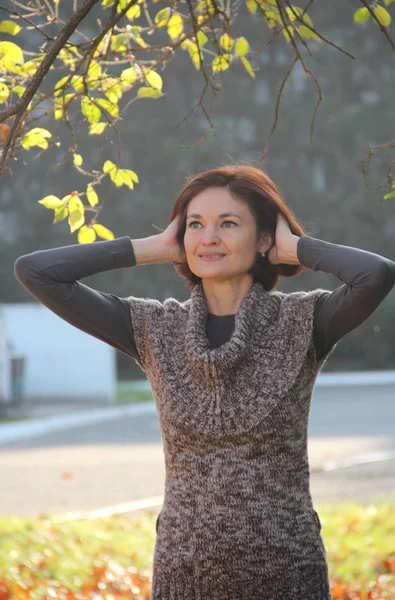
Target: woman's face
209, 230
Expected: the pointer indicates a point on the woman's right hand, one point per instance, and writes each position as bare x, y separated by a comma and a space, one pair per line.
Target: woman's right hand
171, 248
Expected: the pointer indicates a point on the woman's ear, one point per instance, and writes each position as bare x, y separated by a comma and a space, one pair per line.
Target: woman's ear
266, 241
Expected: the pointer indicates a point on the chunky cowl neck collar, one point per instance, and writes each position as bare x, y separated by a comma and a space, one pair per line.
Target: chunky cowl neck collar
257, 310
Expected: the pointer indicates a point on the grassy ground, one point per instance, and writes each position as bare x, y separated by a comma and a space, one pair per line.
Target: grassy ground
111, 559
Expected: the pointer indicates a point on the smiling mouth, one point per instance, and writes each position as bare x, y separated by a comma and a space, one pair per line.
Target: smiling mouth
212, 258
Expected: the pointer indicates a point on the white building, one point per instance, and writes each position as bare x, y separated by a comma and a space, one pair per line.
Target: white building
42, 357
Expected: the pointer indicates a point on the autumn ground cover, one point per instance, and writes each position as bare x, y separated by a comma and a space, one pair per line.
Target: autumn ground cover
111, 558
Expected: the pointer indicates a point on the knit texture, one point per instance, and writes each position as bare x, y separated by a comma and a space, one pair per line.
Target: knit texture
237, 520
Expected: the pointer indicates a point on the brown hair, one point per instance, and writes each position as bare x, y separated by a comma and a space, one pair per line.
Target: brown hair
250, 185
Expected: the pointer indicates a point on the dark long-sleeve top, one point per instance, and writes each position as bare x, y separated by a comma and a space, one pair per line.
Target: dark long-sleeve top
52, 277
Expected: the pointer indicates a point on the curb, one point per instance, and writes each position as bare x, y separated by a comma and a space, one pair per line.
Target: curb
12, 432
17, 431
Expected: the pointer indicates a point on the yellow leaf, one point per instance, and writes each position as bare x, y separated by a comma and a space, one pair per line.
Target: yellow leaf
361, 15
242, 47
382, 15
51, 201
76, 220
221, 63
90, 110
19, 89
30, 67
154, 79
4, 93
60, 86
60, 213
201, 38
110, 107
97, 128
226, 41
86, 235
75, 203
78, 160
129, 75
133, 12
248, 66
162, 17
94, 74
93, 198
149, 92
108, 166
103, 232
36, 137
9, 27
175, 26
11, 56
252, 6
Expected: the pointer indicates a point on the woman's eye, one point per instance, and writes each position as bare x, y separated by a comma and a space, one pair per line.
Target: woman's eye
192, 222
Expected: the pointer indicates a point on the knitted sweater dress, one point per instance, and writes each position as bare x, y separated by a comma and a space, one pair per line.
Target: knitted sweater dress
237, 520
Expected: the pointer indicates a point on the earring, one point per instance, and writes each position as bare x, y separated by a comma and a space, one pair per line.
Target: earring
263, 254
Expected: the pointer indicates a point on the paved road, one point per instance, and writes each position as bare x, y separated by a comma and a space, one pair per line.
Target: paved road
119, 461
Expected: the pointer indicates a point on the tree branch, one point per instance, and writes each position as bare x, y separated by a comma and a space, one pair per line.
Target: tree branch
20, 107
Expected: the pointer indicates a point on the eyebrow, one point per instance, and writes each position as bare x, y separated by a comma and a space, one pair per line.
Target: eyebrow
228, 214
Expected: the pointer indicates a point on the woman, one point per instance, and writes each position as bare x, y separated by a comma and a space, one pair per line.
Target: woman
232, 370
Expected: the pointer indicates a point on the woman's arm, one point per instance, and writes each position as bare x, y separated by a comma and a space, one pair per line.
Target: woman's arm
51, 276
368, 278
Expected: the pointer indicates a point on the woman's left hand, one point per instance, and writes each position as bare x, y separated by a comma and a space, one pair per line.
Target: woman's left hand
284, 249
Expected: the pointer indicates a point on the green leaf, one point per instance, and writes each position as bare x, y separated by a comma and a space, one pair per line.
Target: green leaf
149, 92
9, 27
4, 93
242, 47
97, 128
77, 158
36, 137
86, 235
93, 198
361, 15
390, 195
90, 110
